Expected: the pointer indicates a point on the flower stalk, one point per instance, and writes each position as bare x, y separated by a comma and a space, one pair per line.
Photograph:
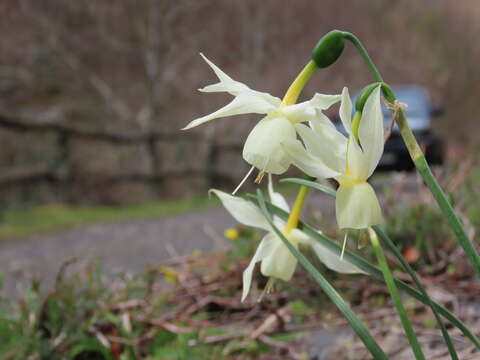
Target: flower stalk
291, 97
294, 90
419, 160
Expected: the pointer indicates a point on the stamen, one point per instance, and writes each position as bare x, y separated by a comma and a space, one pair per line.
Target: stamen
243, 180
344, 245
259, 177
269, 288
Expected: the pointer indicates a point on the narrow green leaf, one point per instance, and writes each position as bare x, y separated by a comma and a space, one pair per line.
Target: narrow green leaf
310, 184
387, 275
386, 239
344, 308
452, 219
374, 271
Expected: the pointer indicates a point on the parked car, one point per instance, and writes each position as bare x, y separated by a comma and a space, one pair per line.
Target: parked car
420, 113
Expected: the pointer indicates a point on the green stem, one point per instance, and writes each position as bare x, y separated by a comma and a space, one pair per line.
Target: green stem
299, 83
364, 54
448, 211
386, 239
294, 216
421, 164
389, 280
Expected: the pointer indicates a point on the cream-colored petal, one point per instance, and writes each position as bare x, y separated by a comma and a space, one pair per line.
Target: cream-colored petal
357, 162
324, 127
262, 148
371, 131
333, 261
227, 84
346, 110
308, 110
276, 198
245, 103
309, 164
245, 212
357, 206
264, 249
280, 263
322, 145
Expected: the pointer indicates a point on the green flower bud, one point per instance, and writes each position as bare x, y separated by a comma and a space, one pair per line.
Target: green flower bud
367, 90
363, 96
329, 48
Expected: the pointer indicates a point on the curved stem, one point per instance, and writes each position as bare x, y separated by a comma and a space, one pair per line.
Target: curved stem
421, 164
363, 52
299, 83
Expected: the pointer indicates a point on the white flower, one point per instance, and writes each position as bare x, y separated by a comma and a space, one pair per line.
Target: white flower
276, 260
262, 148
354, 159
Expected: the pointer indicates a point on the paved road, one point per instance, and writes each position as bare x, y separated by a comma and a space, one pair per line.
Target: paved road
128, 246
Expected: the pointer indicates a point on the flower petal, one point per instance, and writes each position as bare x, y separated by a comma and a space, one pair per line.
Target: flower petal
323, 145
262, 148
371, 131
276, 198
357, 161
307, 110
333, 261
280, 262
263, 250
245, 103
245, 212
357, 206
309, 164
235, 88
323, 126
346, 110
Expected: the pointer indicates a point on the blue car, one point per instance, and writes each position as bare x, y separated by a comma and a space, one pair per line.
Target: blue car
420, 113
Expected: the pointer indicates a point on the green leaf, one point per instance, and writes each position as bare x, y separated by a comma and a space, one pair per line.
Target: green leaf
310, 184
344, 308
374, 271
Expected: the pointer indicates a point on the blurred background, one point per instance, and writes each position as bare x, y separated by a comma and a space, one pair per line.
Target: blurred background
93, 165
93, 94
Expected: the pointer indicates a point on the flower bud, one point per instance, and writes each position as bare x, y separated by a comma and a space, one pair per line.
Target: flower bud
329, 48
367, 90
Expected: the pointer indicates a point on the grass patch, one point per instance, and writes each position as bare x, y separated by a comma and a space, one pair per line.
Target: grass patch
21, 222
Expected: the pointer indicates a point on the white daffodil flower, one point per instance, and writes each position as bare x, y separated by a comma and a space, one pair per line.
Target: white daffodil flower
262, 148
276, 260
354, 159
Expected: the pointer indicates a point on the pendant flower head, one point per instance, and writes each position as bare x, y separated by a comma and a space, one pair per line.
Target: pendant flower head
262, 148
353, 158
276, 260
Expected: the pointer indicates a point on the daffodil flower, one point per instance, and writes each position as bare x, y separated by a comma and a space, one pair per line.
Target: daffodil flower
276, 260
262, 148
353, 158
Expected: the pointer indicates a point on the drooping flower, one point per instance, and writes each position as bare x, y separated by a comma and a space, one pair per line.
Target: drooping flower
354, 158
262, 148
276, 260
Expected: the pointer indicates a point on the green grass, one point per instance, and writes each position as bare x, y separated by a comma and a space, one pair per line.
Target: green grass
21, 222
